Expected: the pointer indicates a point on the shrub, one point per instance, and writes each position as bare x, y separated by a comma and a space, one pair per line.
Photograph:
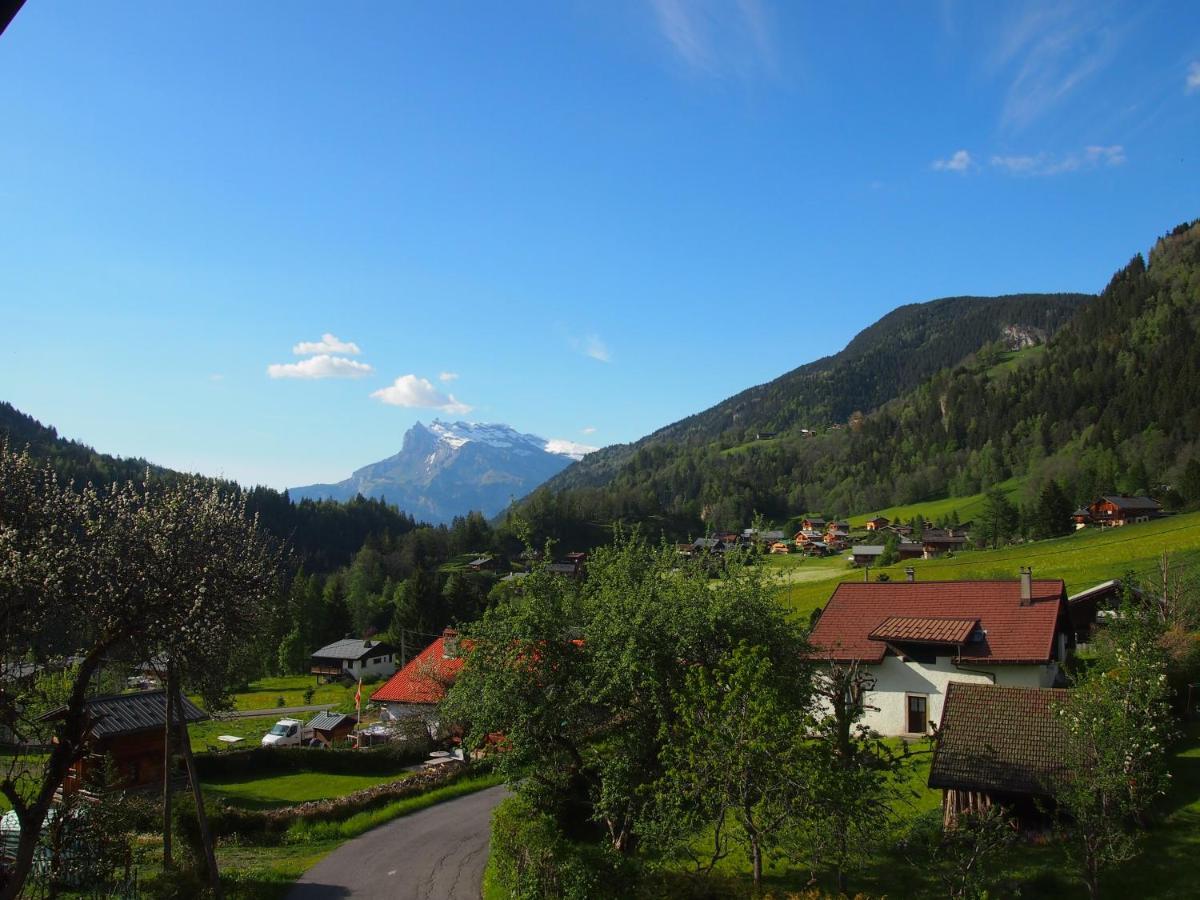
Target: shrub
271, 761
531, 859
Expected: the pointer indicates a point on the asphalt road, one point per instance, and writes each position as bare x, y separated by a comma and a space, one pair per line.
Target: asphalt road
435, 854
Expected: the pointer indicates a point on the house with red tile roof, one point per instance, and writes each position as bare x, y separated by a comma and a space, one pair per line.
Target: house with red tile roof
916, 638
418, 688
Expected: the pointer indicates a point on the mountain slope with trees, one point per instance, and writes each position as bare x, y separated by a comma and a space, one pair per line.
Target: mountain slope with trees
1106, 406
884, 361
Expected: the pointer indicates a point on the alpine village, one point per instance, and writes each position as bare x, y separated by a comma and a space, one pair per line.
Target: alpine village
917, 619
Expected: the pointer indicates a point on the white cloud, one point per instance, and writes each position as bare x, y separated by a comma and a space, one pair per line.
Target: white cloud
327, 344
216, 376
1091, 157
960, 161
1193, 77
448, 376
419, 393
563, 447
713, 36
1051, 50
591, 429
323, 366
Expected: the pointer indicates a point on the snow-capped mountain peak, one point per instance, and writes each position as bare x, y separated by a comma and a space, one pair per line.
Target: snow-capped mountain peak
495, 434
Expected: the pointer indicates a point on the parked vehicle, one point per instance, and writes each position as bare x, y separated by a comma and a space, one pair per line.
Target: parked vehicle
287, 733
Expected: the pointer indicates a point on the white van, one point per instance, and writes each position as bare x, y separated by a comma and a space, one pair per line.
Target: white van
287, 733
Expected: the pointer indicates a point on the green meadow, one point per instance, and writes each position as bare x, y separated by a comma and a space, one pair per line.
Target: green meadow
1081, 559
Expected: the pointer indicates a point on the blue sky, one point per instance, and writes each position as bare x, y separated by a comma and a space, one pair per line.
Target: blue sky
586, 220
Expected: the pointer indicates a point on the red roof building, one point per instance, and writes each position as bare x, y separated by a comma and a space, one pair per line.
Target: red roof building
426, 678
918, 637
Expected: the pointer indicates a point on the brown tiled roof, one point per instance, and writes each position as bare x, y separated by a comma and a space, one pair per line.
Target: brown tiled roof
1012, 633
999, 739
924, 629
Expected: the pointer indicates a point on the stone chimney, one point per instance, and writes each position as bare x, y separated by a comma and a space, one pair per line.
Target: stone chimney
1026, 585
910, 574
449, 644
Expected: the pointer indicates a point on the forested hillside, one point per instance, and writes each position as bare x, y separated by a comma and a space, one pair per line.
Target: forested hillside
882, 362
353, 566
1108, 404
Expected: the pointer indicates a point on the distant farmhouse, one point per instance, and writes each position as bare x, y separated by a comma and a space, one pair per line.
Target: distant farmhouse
1114, 511
351, 658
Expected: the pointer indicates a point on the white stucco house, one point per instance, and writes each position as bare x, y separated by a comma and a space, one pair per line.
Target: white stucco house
915, 638
354, 659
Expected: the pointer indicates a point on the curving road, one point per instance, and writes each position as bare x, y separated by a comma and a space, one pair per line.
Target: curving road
435, 854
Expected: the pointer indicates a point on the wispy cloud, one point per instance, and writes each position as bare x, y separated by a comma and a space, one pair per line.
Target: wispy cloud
1091, 157
322, 366
960, 161
328, 343
1048, 51
591, 345
1193, 77
590, 429
419, 393
217, 376
448, 376
715, 36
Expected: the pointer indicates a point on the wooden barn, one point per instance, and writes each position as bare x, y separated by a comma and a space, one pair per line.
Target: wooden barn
128, 729
329, 727
998, 745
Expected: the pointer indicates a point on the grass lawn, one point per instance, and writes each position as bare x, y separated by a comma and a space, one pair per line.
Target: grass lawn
260, 792
1082, 559
204, 734
266, 693
1164, 869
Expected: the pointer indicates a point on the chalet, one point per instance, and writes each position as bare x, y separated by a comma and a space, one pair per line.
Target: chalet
708, 545
897, 529
780, 547
128, 729
876, 523
866, 554
351, 658
1114, 511
816, 548
998, 745
328, 727
836, 532
482, 564
910, 549
1082, 517
813, 524
918, 637
936, 542
565, 569
771, 537
420, 686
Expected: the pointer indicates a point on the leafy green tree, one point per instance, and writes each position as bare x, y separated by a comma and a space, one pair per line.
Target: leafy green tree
582, 677
999, 519
1189, 484
854, 778
1118, 726
1052, 515
734, 761
128, 572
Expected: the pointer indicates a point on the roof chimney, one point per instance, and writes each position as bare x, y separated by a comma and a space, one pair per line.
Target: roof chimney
449, 644
910, 574
1026, 585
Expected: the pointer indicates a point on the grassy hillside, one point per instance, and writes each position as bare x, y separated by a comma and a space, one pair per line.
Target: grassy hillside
968, 508
1081, 560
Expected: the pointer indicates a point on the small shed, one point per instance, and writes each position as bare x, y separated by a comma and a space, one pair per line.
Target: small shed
867, 554
128, 729
328, 727
998, 745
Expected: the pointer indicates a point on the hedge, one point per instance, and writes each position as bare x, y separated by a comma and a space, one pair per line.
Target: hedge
271, 761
